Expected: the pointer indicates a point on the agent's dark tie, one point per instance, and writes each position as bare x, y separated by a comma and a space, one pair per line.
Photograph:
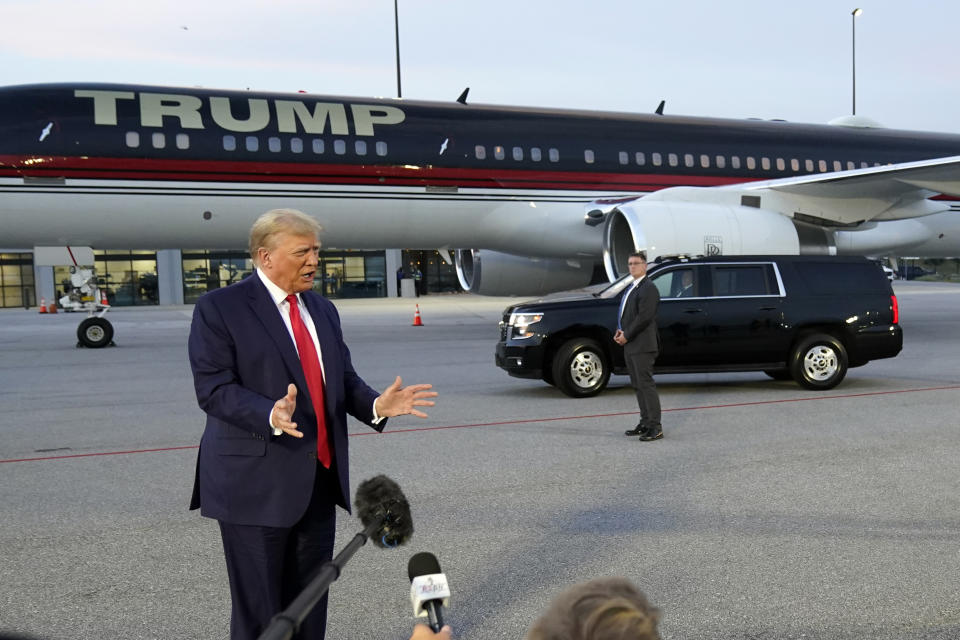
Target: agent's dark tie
314, 375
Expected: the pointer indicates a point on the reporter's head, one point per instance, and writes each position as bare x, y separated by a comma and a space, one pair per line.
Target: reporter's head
601, 609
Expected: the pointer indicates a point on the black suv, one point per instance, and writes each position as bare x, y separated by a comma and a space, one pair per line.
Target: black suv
803, 317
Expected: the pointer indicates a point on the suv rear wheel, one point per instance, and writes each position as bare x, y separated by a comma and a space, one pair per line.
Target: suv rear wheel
818, 361
581, 368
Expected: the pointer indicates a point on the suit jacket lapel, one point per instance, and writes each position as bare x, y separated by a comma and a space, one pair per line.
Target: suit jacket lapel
269, 316
329, 351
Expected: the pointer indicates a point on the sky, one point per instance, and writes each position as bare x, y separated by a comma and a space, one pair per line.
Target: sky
731, 58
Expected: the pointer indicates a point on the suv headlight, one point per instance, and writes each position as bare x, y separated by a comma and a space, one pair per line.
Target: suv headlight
521, 323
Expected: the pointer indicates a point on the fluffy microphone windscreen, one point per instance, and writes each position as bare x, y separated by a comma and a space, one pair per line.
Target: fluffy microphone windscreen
380, 501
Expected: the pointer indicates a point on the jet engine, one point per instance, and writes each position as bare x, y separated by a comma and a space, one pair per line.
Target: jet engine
491, 273
662, 227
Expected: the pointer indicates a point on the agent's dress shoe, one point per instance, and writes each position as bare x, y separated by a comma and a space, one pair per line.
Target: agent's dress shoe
647, 436
639, 430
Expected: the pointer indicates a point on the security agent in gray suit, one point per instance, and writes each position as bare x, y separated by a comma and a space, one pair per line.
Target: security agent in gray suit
637, 334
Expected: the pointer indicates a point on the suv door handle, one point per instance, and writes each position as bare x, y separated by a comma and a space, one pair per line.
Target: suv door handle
693, 310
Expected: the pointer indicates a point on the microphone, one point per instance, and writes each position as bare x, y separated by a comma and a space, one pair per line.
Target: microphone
384, 511
429, 591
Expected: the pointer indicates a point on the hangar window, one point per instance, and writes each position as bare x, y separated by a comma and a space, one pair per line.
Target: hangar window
735, 162
822, 165
158, 140
229, 143
296, 145
808, 165
765, 163
273, 143
588, 156
657, 159
498, 152
704, 161
518, 153
360, 147
640, 158
672, 159
751, 163
339, 147
721, 161
624, 157
535, 154
253, 143
133, 139
688, 159
794, 165
781, 165
554, 155
381, 148
317, 145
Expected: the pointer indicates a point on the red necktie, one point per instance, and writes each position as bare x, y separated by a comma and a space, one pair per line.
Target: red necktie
314, 375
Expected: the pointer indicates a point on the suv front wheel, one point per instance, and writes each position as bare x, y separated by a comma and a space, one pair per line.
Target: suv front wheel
581, 368
818, 361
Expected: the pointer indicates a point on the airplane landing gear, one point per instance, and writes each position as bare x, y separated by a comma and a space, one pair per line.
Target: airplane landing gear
95, 333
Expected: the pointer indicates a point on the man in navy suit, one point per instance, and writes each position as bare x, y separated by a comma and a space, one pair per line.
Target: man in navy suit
638, 335
273, 374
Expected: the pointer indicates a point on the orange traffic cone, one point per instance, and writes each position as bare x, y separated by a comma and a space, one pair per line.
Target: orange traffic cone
43, 305
417, 322
103, 299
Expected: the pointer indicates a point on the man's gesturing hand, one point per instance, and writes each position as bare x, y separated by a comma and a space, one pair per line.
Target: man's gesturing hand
398, 400
282, 415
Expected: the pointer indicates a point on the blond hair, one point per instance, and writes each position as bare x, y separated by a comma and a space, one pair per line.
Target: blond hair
280, 221
601, 609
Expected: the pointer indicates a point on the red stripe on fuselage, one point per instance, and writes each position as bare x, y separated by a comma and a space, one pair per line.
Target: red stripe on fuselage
315, 173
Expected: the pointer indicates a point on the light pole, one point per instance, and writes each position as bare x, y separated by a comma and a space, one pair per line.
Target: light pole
853, 25
396, 35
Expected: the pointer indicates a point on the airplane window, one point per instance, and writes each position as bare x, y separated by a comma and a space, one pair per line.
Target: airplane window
864, 165
535, 154
640, 158
837, 166
851, 165
133, 139
296, 145
381, 148
822, 165
518, 153
480, 151
317, 145
229, 143
781, 165
159, 140
657, 159
794, 165
273, 143
688, 159
253, 143
808, 165
721, 162
751, 163
588, 156
339, 147
182, 141
672, 159
704, 161
765, 163
498, 152
624, 157
554, 155
735, 162
360, 147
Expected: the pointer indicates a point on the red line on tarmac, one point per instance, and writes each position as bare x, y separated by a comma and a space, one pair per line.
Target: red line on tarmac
527, 421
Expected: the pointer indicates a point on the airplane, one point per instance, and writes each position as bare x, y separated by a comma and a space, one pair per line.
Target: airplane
530, 200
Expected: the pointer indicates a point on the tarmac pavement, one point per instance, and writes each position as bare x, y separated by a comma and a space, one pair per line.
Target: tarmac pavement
767, 511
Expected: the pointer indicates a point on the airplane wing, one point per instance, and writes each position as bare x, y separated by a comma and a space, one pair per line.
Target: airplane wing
888, 192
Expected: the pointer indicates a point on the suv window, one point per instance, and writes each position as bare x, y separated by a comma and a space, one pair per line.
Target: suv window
677, 283
832, 278
742, 280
